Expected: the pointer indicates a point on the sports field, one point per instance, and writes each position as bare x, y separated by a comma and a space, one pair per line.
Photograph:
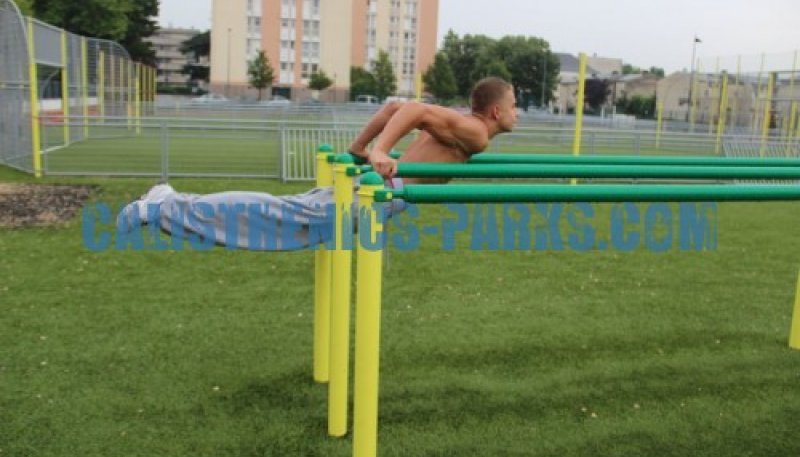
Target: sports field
484, 353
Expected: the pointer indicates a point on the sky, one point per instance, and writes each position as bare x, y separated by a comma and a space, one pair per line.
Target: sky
642, 33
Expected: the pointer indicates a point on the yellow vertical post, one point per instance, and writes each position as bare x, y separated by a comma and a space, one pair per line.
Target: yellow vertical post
322, 280
758, 95
85, 87
112, 82
128, 92
65, 86
101, 86
791, 136
735, 98
579, 102
712, 106
138, 97
369, 264
340, 298
767, 112
695, 97
418, 81
723, 108
659, 122
33, 76
794, 332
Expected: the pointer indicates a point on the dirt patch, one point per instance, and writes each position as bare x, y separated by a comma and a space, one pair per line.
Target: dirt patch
33, 205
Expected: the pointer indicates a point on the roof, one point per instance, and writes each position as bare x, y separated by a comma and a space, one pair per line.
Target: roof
570, 63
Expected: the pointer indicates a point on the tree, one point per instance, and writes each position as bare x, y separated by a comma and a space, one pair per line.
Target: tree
385, 81
439, 78
124, 21
25, 7
657, 71
534, 69
463, 54
319, 81
596, 92
197, 46
362, 82
260, 73
641, 107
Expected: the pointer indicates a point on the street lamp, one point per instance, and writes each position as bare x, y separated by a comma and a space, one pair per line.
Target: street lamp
228, 81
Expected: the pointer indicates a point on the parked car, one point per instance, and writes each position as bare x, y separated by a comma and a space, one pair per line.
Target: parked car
395, 99
367, 100
210, 98
277, 100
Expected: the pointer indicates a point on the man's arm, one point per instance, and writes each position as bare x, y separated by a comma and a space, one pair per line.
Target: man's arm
373, 128
445, 125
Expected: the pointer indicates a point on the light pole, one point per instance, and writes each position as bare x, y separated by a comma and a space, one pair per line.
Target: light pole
228, 81
691, 80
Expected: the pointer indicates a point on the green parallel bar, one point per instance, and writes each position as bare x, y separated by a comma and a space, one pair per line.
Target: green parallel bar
446, 170
634, 160
522, 193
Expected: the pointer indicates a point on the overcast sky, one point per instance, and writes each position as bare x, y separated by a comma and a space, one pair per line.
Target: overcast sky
642, 33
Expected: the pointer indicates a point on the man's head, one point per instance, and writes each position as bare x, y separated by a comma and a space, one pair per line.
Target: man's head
493, 98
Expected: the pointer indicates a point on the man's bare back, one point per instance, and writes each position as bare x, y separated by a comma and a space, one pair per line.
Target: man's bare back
427, 149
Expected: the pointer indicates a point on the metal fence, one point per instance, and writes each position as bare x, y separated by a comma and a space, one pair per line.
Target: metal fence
48, 75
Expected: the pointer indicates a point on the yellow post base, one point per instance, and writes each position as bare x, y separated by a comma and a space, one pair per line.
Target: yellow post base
794, 333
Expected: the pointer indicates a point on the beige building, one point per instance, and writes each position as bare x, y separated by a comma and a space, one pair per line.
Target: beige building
673, 92
167, 43
303, 36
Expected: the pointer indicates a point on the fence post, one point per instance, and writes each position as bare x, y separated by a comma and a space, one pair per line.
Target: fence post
281, 148
164, 151
36, 140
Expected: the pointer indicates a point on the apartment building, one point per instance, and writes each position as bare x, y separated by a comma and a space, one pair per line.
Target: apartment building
167, 43
300, 37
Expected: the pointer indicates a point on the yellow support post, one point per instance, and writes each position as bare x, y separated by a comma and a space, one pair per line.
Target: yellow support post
340, 299
322, 280
112, 82
85, 87
101, 86
576, 141
36, 141
723, 108
794, 332
767, 110
735, 105
714, 105
790, 126
694, 100
758, 94
65, 87
791, 135
659, 122
419, 86
138, 97
128, 92
368, 320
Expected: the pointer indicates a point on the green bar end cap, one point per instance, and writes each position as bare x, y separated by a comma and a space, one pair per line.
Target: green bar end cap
355, 170
343, 158
371, 179
325, 148
383, 195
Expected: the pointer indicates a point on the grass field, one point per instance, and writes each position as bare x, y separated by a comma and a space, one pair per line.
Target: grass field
513, 353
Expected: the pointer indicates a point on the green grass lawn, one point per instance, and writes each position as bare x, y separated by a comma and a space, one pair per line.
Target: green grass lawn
511, 353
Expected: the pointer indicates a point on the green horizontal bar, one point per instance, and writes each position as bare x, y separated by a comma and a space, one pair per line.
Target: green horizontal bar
634, 160
446, 170
529, 193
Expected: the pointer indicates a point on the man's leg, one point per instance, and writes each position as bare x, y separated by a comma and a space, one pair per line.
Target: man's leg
244, 220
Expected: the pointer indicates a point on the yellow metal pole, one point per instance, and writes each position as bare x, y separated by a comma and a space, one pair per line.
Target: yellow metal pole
576, 142
65, 86
758, 94
792, 121
735, 98
712, 106
322, 280
36, 141
723, 107
767, 109
340, 299
788, 128
695, 97
419, 86
138, 97
659, 122
794, 333
101, 86
368, 321
128, 92
85, 87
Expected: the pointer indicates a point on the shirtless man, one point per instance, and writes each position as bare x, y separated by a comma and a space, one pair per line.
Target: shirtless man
261, 221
